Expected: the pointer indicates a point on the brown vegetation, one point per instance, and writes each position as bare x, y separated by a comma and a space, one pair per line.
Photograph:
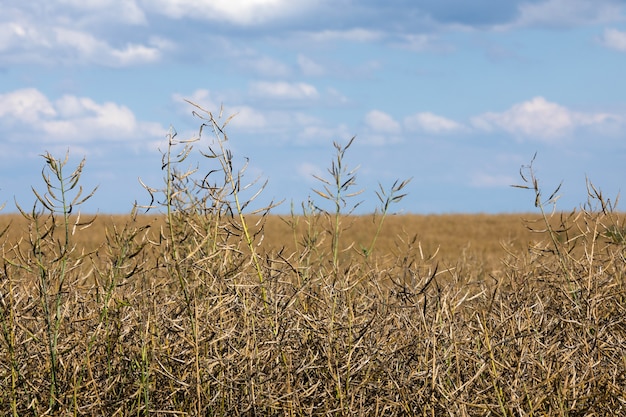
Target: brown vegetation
202, 310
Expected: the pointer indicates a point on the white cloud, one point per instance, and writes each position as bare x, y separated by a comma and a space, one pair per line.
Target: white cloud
82, 119
614, 39
95, 50
317, 132
484, 180
70, 119
283, 90
240, 12
535, 118
246, 117
541, 119
82, 42
265, 66
336, 98
20, 35
73, 107
135, 54
380, 129
382, 122
421, 43
309, 67
565, 13
25, 40
416, 43
431, 123
25, 106
126, 11
351, 35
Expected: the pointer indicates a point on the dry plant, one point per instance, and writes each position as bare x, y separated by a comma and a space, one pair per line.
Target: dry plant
50, 264
199, 313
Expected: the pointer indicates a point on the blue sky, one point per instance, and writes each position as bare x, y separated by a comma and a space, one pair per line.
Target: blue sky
456, 95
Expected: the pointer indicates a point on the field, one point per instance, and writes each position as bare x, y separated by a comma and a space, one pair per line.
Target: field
198, 307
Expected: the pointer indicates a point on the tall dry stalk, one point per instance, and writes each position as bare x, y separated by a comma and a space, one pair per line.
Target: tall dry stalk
337, 190
55, 257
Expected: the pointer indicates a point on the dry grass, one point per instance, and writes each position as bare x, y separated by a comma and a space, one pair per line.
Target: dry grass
191, 312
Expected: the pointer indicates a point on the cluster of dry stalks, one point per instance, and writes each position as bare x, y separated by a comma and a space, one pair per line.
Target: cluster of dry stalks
200, 319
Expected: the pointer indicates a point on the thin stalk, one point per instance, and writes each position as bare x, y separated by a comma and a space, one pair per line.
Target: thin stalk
226, 162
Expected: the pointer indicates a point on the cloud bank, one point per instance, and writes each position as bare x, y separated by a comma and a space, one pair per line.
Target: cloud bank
541, 119
70, 120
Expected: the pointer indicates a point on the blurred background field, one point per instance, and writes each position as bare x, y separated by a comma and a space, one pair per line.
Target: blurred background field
454, 236
483, 240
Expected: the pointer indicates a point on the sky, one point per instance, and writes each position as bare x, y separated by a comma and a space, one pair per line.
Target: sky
457, 96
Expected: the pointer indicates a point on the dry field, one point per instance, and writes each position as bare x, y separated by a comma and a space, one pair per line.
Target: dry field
480, 239
202, 310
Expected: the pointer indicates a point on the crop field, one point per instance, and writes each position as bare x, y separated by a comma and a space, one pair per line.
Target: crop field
197, 307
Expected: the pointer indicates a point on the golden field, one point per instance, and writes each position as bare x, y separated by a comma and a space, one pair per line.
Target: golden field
449, 314
453, 236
